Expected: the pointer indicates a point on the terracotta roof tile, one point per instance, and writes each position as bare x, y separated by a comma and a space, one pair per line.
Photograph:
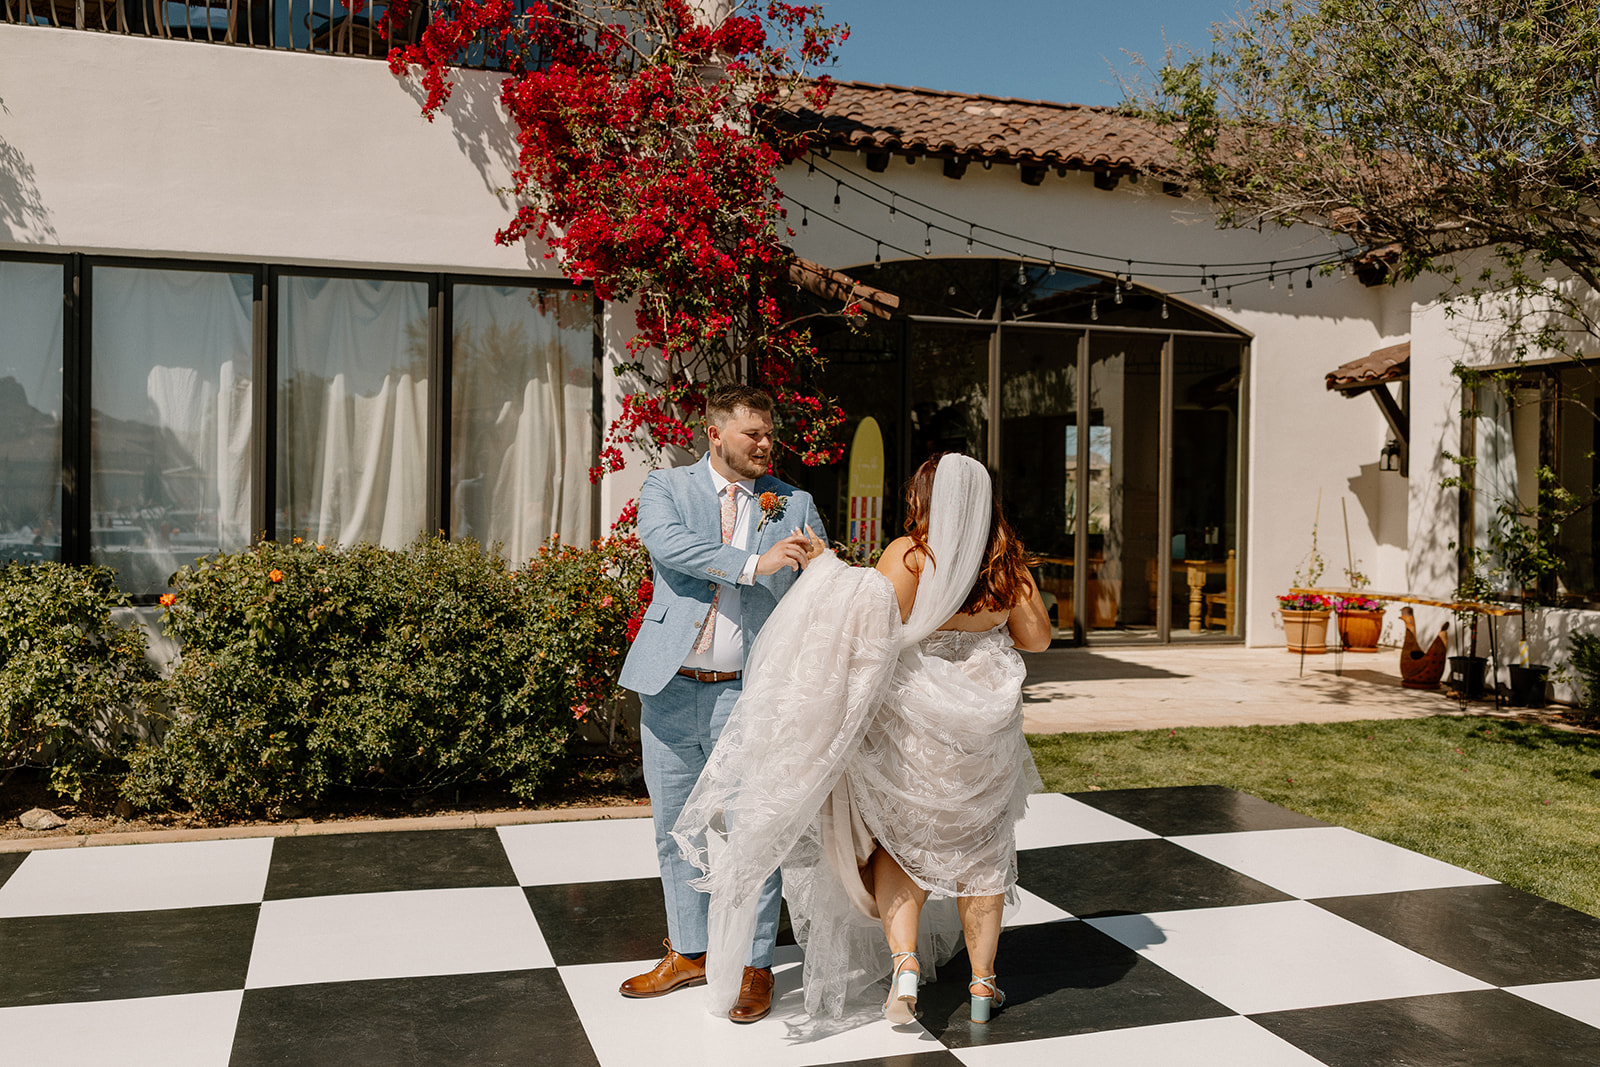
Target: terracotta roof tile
964, 125
1389, 364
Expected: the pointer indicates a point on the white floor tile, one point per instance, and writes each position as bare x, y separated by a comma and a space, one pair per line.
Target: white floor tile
677, 1030
104, 878
595, 851
1054, 819
1230, 1042
1580, 1000
395, 935
195, 1030
1273, 957
1327, 861
1031, 910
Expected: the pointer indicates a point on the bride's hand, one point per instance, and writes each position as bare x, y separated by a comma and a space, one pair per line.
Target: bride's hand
816, 547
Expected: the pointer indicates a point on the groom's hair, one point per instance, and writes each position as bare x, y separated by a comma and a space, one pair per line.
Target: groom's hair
721, 402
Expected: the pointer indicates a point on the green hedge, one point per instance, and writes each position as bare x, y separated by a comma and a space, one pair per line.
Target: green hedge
71, 680
307, 669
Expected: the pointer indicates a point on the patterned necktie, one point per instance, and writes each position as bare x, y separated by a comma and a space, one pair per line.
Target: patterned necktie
730, 510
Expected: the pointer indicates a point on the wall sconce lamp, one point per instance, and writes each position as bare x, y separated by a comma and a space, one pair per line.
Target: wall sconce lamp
1389, 458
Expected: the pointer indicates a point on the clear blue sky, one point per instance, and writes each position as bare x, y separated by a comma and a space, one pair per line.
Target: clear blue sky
1034, 49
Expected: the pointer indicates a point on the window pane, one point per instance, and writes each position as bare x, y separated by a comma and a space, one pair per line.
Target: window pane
30, 411
949, 391
352, 410
170, 438
522, 416
1123, 440
1577, 440
1205, 486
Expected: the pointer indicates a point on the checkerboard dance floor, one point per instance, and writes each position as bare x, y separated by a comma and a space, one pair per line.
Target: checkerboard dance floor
1156, 927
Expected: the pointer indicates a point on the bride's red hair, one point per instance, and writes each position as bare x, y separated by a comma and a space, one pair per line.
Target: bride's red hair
1003, 579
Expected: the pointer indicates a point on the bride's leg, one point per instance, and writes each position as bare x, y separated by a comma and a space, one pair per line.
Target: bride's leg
980, 926
899, 901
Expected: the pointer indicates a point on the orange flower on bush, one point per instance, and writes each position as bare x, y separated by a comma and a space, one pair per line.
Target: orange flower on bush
168, 599
275, 574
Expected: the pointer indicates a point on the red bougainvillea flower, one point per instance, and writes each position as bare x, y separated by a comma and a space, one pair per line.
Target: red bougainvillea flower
275, 575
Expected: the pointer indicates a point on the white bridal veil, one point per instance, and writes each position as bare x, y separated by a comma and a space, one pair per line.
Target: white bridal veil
776, 790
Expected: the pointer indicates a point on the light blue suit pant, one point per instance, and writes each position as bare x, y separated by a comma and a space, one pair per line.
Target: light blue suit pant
677, 728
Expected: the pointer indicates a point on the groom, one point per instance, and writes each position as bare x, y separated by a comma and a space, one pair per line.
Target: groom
721, 562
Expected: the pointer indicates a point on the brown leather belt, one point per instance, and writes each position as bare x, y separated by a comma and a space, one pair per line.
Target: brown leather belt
708, 676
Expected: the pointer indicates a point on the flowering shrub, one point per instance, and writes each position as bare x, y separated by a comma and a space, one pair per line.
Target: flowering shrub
307, 668
1357, 603
1304, 602
69, 676
647, 162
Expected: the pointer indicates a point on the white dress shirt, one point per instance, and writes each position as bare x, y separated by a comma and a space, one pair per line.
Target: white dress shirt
727, 642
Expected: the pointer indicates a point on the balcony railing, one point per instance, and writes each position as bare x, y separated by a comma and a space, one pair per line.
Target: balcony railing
321, 26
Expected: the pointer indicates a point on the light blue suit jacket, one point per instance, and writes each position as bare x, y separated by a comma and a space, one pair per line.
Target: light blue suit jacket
680, 524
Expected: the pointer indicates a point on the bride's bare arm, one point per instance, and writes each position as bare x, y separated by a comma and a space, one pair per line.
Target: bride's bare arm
901, 566
1029, 622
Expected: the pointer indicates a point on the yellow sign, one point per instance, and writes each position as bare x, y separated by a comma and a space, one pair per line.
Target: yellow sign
866, 486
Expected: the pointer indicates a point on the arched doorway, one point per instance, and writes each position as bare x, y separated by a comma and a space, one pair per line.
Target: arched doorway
1111, 416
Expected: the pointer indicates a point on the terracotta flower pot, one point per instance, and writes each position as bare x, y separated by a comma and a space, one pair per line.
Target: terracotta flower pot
1358, 630
1306, 631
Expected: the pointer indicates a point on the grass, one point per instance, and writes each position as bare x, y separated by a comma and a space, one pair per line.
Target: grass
1515, 801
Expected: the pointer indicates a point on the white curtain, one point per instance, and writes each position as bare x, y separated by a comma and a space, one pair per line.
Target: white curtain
353, 410
522, 427
171, 384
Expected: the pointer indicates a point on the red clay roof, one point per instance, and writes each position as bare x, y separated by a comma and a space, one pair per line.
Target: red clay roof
1390, 364
914, 121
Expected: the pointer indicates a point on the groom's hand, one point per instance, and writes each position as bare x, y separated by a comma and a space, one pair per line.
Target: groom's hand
790, 552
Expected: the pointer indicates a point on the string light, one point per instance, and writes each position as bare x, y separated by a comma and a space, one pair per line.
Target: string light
1022, 273
1291, 285
1272, 278
1052, 271
1094, 309
1230, 296
836, 187
891, 203
927, 241
1163, 307
1119, 289
970, 228
1308, 277
877, 257
805, 218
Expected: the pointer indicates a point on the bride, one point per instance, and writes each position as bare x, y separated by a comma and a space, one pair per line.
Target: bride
877, 755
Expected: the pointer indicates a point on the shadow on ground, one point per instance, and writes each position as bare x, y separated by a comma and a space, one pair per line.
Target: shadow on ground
1077, 665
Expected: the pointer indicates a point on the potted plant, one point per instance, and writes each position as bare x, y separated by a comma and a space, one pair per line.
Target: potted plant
1305, 621
1467, 671
1360, 623
1524, 540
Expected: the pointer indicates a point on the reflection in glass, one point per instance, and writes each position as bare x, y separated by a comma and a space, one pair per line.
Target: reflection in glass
352, 410
522, 417
170, 437
30, 411
1205, 486
949, 391
1124, 443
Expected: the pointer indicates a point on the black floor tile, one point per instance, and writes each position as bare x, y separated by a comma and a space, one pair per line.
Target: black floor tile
1495, 933
1134, 877
57, 958
1488, 1028
600, 922
1194, 809
9, 862
942, 1058
394, 861
467, 1020
1060, 978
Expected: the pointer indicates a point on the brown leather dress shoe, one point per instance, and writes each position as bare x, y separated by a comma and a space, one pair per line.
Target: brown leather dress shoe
673, 972
755, 996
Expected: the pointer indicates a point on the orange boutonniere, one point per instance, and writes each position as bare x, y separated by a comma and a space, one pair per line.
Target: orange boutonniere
772, 506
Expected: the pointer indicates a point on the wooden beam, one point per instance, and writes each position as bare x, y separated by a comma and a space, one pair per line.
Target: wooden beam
877, 162
955, 168
1103, 180
830, 284
1032, 173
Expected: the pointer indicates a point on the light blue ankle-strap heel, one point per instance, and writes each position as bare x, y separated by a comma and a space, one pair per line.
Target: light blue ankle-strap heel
901, 1007
985, 1004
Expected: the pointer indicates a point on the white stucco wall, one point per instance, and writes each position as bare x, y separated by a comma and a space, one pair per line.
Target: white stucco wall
1301, 438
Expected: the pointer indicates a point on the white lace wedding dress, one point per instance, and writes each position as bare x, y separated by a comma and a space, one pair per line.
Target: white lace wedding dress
855, 727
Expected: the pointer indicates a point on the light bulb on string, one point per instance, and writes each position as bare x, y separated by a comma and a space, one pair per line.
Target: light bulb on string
1052, 271
892, 198
1163, 309
1308, 277
836, 187
1202, 275
1119, 289
927, 242
811, 169
805, 219
1272, 278
1291, 285
1094, 309
1022, 273
877, 257
1230, 296
969, 238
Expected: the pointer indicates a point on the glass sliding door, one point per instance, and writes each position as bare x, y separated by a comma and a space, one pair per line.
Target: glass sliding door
31, 350
949, 391
1121, 448
352, 410
171, 419
1205, 487
522, 422
1038, 475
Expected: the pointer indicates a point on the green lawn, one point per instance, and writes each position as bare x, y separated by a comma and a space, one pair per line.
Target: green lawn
1514, 801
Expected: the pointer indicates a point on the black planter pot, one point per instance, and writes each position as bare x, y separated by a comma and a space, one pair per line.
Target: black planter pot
1527, 685
1466, 675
